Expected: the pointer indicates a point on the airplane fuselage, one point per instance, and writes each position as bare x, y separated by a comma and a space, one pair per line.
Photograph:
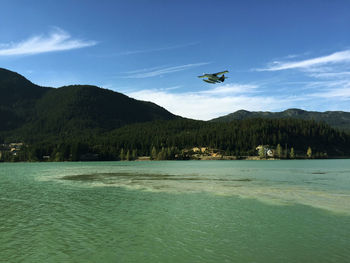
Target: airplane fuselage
214, 78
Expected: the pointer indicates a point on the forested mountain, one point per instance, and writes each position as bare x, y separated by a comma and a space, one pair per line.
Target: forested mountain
18, 97
83, 122
28, 110
337, 119
78, 109
15, 89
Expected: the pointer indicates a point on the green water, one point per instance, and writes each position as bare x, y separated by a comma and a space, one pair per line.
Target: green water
191, 211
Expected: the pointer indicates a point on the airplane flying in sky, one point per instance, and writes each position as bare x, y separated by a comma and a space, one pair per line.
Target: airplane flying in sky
214, 78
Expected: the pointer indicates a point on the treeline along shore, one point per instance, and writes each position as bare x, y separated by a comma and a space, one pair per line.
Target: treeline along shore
183, 139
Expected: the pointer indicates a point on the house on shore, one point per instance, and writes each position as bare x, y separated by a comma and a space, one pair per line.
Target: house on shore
266, 150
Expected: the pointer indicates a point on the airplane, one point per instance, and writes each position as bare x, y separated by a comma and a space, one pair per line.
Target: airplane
214, 78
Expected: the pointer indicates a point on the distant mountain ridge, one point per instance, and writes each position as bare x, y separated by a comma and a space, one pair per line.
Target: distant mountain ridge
336, 119
26, 108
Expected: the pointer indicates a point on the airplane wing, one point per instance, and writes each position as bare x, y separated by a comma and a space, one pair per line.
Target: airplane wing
205, 76
223, 72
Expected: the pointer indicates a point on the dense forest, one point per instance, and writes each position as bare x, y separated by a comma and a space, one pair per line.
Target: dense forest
174, 139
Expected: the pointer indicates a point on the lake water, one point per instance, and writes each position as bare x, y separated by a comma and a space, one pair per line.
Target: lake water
176, 211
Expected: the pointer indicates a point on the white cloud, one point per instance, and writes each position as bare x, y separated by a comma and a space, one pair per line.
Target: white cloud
230, 89
157, 71
340, 93
208, 104
328, 75
333, 89
58, 40
337, 57
328, 78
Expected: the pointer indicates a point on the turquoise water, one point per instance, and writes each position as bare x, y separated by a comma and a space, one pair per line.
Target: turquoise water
191, 211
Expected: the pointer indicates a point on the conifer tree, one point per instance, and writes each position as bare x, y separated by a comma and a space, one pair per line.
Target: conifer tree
153, 153
309, 152
292, 154
122, 157
262, 152
279, 151
134, 154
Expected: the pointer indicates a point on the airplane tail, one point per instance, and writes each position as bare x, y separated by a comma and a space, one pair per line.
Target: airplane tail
222, 78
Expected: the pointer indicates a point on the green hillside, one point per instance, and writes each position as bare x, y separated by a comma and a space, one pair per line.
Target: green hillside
28, 111
18, 97
337, 119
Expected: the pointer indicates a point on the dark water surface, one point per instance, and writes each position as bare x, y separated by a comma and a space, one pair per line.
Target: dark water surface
191, 211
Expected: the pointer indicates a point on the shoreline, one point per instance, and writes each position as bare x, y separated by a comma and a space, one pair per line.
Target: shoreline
206, 158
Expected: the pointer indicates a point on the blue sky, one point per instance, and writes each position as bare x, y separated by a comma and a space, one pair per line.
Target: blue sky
280, 54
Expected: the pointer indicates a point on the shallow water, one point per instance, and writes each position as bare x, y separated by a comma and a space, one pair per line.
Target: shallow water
173, 211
